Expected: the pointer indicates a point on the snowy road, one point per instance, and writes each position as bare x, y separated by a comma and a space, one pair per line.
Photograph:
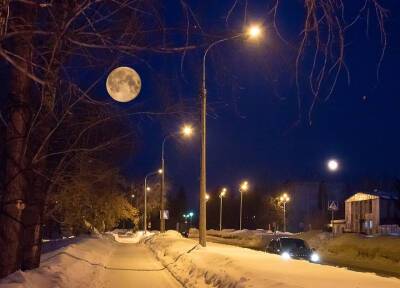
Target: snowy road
134, 265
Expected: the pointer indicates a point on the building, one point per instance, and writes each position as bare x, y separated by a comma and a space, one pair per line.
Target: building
372, 213
308, 206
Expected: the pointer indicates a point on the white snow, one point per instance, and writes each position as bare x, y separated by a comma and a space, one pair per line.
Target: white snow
129, 237
80, 264
255, 239
220, 265
101, 262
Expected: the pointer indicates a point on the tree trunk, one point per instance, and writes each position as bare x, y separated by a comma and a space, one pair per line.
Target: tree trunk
16, 178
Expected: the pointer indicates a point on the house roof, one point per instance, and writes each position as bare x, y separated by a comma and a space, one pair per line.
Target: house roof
361, 196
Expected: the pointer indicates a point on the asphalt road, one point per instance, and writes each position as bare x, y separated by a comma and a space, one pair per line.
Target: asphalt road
134, 265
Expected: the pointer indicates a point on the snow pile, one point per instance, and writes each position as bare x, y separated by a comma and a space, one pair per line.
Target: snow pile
254, 239
129, 237
378, 253
227, 266
80, 264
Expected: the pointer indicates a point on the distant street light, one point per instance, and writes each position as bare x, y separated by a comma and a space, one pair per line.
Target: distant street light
221, 195
244, 187
253, 32
207, 197
186, 131
333, 165
146, 189
284, 199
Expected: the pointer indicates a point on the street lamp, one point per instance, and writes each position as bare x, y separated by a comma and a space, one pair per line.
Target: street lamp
333, 165
251, 33
244, 187
186, 131
221, 195
147, 189
284, 199
254, 31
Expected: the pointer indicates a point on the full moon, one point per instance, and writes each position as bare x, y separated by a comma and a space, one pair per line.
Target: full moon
123, 84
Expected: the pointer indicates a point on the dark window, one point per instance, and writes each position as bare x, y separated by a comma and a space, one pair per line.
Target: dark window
369, 206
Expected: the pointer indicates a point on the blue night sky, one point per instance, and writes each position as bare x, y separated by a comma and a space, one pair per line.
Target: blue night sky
253, 128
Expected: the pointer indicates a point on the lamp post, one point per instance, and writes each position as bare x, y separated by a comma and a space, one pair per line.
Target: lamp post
186, 131
132, 197
147, 189
243, 188
221, 195
284, 199
252, 32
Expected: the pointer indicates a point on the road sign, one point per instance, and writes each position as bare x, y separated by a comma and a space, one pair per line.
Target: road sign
333, 205
164, 214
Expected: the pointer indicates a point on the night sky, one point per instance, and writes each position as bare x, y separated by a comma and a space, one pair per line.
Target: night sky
254, 131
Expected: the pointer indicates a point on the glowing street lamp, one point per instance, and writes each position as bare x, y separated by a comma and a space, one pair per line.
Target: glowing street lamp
252, 33
244, 187
186, 131
284, 199
333, 165
207, 197
221, 195
147, 189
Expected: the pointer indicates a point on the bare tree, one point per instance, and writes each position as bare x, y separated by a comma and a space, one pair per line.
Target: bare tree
52, 117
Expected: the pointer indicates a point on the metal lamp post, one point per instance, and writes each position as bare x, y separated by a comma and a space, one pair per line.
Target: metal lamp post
253, 32
284, 199
243, 188
221, 195
186, 131
160, 171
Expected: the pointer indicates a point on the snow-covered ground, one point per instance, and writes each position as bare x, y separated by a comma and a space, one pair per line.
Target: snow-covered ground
219, 265
129, 237
99, 262
374, 253
79, 264
379, 254
255, 239
90, 262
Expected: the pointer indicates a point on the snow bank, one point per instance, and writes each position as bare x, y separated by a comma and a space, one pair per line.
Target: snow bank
378, 253
80, 264
254, 239
129, 237
227, 266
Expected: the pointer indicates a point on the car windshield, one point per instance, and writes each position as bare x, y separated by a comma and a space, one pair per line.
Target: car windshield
293, 244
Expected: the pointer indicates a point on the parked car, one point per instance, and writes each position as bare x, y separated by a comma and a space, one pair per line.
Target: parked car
295, 248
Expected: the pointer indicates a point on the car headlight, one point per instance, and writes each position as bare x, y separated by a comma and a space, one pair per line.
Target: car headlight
286, 255
314, 257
